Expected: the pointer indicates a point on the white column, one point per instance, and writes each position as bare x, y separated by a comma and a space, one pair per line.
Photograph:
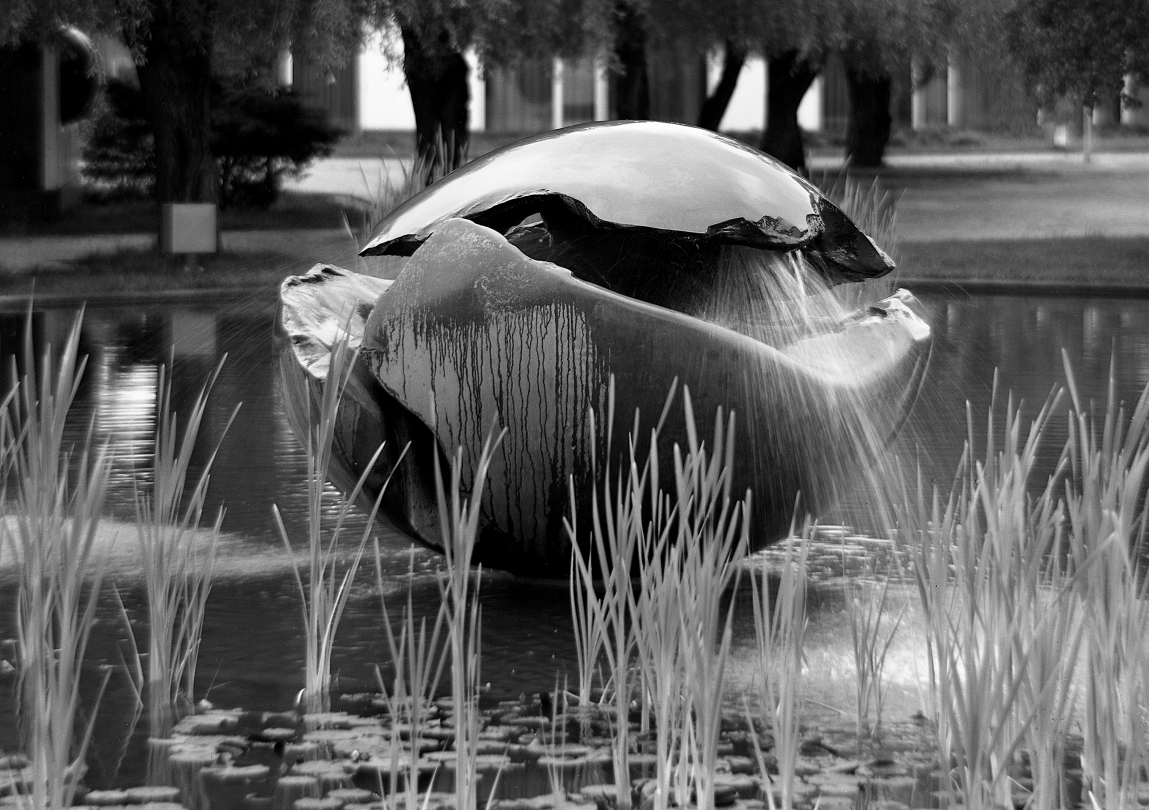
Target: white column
918, 97
557, 94
955, 97
810, 108
601, 92
1136, 116
285, 68
49, 119
477, 77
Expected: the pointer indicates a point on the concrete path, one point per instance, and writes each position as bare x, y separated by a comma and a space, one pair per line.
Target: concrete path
1023, 195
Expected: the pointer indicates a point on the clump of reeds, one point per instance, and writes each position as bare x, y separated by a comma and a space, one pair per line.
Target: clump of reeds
417, 658
390, 191
874, 210
871, 633
1035, 610
981, 570
324, 595
712, 531
607, 619
665, 557
1106, 505
53, 500
177, 570
779, 633
459, 587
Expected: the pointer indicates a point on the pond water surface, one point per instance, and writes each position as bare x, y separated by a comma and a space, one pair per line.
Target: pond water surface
252, 654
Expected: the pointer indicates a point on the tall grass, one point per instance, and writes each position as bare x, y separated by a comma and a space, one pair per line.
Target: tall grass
1106, 505
780, 631
177, 571
679, 542
979, 581
1035, 609
459, 522
389, 192
53, 502
615, 532
713, 534
418, 659
324, 594
871, 634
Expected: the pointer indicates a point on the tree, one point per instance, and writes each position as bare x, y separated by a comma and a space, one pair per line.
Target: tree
790, 74
1079, 49
176, 44
734, 55
629, 51
435, 35
874, 39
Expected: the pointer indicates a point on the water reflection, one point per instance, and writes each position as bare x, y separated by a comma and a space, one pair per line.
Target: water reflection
251, 652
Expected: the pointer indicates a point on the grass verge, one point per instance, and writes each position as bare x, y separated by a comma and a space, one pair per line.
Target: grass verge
144, 271
291, 212
1121, 262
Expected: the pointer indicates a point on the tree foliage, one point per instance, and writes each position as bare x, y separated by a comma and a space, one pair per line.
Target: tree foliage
178, 43
1080, 49
259, 136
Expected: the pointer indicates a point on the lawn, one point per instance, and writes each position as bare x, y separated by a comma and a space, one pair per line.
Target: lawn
134, 273
1091, 263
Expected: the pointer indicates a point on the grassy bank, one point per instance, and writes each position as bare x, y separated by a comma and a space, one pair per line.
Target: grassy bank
292, 211
145, 272
1118, 263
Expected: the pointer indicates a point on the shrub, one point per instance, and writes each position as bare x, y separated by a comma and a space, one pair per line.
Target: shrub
258, 136
120, 153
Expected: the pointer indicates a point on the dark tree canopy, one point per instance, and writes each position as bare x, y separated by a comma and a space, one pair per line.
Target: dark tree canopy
1080, 49
177, 44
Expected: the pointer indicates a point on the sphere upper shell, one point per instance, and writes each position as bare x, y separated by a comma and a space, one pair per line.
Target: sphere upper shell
656, 177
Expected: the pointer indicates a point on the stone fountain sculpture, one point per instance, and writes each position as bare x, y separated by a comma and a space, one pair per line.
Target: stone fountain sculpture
547, 273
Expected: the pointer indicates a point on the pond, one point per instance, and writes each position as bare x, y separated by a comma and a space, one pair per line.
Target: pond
252, 654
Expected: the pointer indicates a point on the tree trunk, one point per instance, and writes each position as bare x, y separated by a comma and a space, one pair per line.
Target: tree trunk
868, 130
632, 83
716, 103
175, 81
790, 76
437, 77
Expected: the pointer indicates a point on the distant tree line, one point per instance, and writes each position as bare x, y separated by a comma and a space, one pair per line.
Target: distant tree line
1081, 49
